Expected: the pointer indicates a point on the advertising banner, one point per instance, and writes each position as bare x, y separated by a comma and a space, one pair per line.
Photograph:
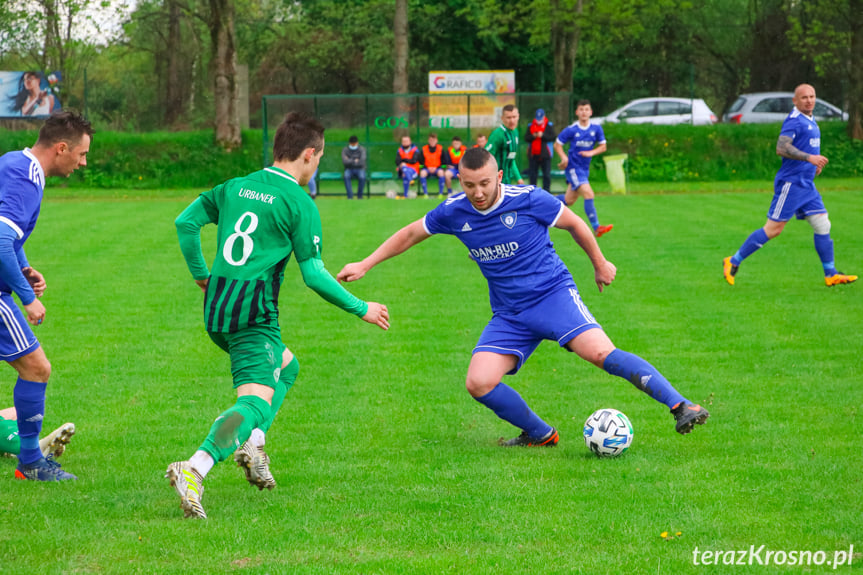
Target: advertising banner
490, 90
29, 94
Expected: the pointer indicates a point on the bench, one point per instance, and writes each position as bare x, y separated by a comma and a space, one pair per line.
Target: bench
370, 177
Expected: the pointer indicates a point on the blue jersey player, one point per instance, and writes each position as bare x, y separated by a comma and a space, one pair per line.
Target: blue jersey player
585, 140
794, 192
61, 148
533, 295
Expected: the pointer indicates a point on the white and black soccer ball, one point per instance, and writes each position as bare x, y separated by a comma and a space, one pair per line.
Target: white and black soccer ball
608, 433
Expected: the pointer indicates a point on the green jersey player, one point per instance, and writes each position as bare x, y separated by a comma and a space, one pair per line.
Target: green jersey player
503, 145
262, 219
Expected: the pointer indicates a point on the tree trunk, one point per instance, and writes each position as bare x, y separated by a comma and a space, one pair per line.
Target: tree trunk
855, 72
565, 34
174, 92
400, 33
226, 93
401, 106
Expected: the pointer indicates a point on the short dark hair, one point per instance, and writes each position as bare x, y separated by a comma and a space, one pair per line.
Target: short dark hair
353, 139
509, 108
64, 126
296, 133
582, 103
456, 139
475, 159
432, 135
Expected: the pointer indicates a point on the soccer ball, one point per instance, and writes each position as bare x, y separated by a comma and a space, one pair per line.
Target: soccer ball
608, 433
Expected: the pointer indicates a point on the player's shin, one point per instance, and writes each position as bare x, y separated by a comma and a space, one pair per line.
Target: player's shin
590, 212
753, 243
643, 376
824, 247
30, 404
233, 427
508, 405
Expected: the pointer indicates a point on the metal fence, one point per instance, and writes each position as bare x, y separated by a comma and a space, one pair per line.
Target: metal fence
380, 120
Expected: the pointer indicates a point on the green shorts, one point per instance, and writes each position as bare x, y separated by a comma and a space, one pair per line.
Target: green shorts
256, 353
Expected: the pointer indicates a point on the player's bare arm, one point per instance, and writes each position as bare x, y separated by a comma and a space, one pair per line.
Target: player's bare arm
605, 271
594, 152
399, 242
35, 279
564, 160
786, 149
378, 315
35, 312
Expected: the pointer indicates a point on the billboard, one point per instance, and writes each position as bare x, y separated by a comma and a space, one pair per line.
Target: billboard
450, 109
29, 94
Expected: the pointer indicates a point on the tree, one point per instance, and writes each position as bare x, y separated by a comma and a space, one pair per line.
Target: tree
224, 66
400, 53
565, 32
829, 34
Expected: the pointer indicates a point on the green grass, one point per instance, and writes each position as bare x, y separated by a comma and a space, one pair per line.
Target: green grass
385, 464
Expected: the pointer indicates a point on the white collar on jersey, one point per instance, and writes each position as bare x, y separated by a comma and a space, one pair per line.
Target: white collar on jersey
282, 173
796, 112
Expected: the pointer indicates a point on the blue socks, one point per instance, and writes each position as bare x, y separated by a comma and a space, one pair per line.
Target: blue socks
753, 243
824, 247
424, 183
508, 405
406, 182
643, 376
29, 399
590, 211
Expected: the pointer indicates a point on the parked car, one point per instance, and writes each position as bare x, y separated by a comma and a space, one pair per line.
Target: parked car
662, 111
766, 107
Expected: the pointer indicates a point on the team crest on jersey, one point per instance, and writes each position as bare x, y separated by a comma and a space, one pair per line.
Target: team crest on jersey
508, 219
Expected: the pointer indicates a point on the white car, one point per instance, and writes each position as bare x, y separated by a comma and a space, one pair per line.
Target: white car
662, 111
767, 107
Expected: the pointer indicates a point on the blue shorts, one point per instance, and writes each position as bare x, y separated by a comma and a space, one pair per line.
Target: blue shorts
577, 177
453, 170
433, 172
408, 173
791, 199
16, 337
560, 317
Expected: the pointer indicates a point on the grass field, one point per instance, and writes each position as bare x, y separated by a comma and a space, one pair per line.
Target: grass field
386, 465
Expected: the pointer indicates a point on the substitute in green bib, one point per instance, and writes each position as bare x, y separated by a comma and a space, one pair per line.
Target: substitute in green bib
262, 219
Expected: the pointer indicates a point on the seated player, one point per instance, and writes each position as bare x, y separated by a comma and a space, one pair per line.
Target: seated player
452, 156
407, 164
432, 159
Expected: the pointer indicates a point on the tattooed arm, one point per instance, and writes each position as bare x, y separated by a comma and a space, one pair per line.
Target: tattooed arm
786, 149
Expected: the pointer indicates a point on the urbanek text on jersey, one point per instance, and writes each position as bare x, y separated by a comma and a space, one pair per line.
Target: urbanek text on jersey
253, 195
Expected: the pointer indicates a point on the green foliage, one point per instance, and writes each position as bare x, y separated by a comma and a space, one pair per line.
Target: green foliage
385, 465
725, 153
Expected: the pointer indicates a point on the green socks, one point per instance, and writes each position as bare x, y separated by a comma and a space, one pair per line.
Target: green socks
233, 427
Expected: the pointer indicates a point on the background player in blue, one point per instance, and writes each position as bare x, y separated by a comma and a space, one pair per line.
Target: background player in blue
533, 295
794, 190
585, 141
62, 147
